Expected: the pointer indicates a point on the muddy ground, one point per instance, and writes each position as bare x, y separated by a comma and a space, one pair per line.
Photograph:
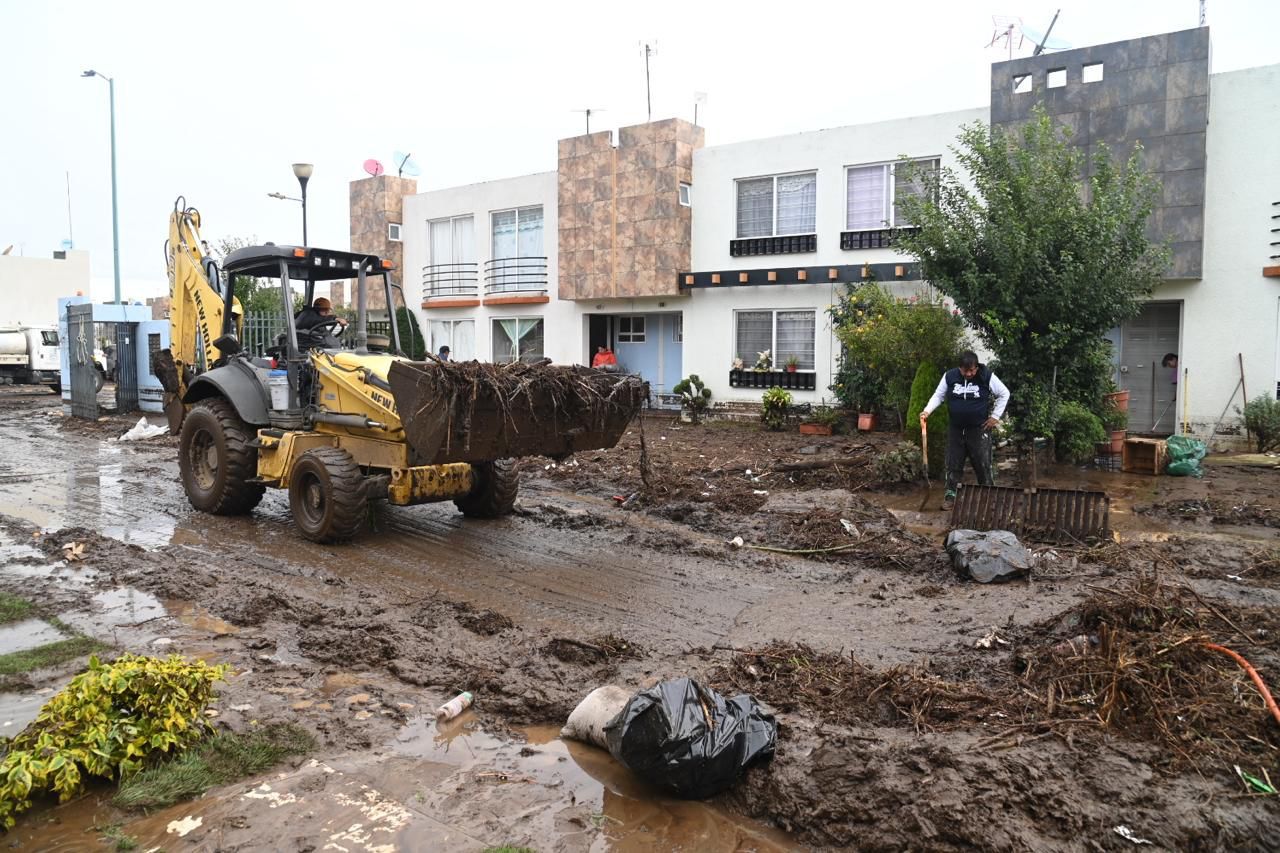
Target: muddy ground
917, 710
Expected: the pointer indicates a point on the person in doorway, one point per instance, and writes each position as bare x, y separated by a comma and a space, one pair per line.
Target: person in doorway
604, 358
976, 401
443, 354
1171, 360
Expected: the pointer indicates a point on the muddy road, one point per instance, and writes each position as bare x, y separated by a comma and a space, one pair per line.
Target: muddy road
599, 579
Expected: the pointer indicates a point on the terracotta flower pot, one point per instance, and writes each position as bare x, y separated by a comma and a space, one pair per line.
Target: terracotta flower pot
868, 421
815, 429
1119, 399
1117, 439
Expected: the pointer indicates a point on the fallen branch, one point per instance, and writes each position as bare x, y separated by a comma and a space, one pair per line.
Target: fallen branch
1267, 699
773, 550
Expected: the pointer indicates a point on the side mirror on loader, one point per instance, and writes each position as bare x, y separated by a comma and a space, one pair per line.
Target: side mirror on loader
228, 344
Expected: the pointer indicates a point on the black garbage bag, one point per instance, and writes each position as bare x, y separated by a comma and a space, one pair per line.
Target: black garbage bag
688, 739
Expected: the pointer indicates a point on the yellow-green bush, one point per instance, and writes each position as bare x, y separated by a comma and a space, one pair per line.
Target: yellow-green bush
106, 723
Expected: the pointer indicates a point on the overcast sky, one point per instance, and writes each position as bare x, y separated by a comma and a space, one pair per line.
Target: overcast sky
215, 101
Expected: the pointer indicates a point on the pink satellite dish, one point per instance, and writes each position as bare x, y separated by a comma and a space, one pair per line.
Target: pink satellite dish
374, 167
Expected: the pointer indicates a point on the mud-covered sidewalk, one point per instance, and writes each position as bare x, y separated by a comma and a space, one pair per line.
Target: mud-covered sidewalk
917, 710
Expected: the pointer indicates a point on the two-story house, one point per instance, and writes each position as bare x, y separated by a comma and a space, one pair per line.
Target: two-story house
683, 257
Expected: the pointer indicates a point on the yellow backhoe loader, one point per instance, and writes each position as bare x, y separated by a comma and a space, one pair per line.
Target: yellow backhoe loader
340, 427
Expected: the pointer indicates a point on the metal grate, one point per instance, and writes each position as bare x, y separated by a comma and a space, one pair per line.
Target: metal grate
1059, 516
773, 245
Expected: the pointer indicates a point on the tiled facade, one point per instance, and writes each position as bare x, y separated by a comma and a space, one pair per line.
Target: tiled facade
622, 230
375, 202
1154, 90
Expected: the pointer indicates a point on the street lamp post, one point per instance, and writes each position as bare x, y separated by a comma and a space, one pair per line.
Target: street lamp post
115, 207
302, 171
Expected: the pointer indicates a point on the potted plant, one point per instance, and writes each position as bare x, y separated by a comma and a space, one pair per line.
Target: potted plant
1115, 419
695, 398
792, 363
823, 421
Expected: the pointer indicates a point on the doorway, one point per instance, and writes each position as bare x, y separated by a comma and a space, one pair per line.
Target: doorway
1143, 342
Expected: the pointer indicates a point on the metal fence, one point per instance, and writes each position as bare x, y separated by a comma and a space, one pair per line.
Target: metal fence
261, 332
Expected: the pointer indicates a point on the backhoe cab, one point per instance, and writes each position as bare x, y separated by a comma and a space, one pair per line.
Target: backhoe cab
339, 427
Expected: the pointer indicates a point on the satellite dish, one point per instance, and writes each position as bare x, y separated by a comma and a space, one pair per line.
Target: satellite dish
405, 165
374, 167
1043, 40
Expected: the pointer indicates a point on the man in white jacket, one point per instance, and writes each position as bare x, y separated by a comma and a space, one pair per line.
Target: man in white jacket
976, 401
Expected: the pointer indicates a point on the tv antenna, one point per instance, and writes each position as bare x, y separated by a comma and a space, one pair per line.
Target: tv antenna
406, 165
1011, 29
699, 99
649, 50
1007, 28
374, 167
587, 112
1202, 16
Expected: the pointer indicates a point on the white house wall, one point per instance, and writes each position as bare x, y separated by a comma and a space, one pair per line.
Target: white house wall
709, 322
1234, 309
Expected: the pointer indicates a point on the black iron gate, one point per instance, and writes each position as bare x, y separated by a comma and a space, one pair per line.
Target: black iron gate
84, 374
126, 367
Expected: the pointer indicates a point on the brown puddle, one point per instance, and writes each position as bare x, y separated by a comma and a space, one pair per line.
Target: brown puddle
452, 786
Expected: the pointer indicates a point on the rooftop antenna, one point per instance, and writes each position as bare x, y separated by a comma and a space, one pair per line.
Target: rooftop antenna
587, 112
406, 165
1007, 27
699, 99
374, 167
1202, 17
649, 50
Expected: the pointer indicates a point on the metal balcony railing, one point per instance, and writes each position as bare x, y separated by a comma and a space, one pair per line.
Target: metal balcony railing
515, 275
460, 279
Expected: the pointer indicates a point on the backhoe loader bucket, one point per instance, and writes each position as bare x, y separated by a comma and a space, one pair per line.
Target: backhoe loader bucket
475, 412
1058, 516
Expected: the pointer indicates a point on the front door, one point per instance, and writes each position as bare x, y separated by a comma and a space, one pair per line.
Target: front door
1144, 342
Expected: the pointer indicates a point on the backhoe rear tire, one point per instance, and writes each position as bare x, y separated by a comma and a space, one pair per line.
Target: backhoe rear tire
328, 495
496, 486
216, 460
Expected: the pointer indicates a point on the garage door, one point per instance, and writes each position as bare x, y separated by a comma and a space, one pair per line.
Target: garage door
1144, 341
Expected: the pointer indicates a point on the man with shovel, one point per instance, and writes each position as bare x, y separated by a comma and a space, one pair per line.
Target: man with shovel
976, 400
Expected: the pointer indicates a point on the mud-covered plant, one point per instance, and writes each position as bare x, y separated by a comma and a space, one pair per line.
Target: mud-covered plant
902, 464
826, 416
1076, 432
1262, 419
774, 407
695, 398
107, 722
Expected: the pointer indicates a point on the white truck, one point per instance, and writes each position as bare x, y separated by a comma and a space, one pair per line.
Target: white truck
29, 356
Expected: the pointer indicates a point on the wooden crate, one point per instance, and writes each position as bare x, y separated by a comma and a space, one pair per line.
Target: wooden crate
1144, 456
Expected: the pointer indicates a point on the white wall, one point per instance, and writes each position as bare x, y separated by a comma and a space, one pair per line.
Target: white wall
30, 286
1234, 309
565, 342
709, 322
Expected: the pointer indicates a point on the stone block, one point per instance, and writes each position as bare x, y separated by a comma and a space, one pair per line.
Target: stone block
666, 181
628, 159
603, 188
1107, 124
1186, 114
1189, 45
1142, 121
666, 130
1187, 260
602, 263
1183, 151
665, 205
1137, 86
1150, 51
684, 155
602, 163
646, 182
664, 154
1181, 224
1188, 80
627, 182
636, 135
625, 237
645, 207
1074, 124
646, 232
1184, 188
672, 259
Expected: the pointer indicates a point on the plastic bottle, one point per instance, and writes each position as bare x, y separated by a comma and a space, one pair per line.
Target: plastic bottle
454, 706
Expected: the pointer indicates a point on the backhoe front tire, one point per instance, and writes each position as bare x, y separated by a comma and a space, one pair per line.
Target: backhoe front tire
496, 486
327, 495
217, 461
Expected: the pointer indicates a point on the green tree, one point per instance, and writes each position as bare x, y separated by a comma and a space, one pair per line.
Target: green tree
1041, 261
922, 387
410, 334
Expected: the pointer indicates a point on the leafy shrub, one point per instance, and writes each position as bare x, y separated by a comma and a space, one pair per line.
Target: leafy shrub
1076, 432
926, 382
892, 337
773, 408
1262, 419
695, 398
827, 416
106, 723
1113, 418
900, 465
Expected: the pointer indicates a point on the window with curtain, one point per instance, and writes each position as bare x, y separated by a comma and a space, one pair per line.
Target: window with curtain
451, 243
872, 193
778, 205
784, 333
518, 339
458, 335
517, 233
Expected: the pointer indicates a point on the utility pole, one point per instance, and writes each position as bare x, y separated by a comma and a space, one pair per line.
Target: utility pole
649, 50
